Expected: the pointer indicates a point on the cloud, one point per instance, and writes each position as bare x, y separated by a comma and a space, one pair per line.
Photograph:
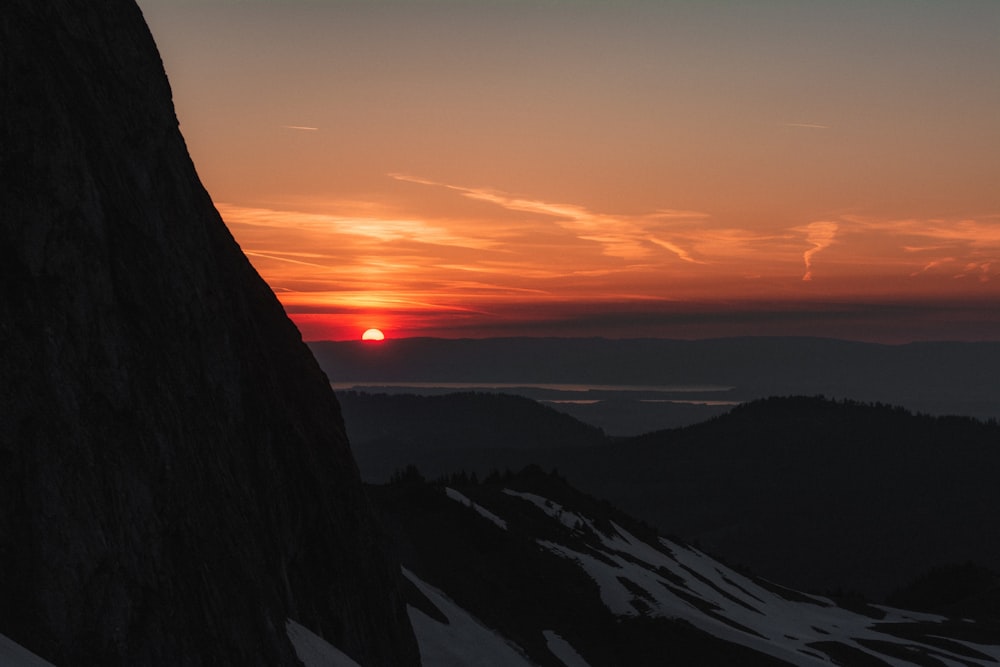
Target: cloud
971, 244
280, 258
821, 235
934, 264
437, 256
978, 270
303, 128
808, 126
680, 252
628, 237
371, 227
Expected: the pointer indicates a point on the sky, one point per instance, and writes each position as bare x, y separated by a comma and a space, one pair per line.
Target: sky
675, 169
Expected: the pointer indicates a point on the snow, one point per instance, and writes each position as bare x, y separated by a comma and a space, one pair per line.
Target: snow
553, 509
563, 650
465, 500
463, 641
13, 654
313, 650
725, 603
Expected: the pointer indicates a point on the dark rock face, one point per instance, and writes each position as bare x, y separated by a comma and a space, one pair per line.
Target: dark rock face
175, 480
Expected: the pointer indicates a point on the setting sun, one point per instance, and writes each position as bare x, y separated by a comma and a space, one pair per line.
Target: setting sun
373, 334
829, 172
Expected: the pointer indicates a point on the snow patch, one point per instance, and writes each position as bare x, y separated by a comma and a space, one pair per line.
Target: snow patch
13, 654
554, 510
563, 650
464, 641
465, 500
313, 650
672, 580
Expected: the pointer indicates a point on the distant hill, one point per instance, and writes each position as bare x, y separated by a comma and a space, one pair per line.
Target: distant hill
522, 569
389, 431
965, 590
819, 494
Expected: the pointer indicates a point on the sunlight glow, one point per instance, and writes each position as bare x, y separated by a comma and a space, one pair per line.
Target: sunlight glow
594, 171
332, 270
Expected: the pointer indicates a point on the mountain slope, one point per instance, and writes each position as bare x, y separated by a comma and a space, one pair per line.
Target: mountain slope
819, 494
570, 580
389, 431
822, 495
175, 482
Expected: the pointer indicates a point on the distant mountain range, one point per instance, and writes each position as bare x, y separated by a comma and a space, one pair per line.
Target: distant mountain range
520, 570
818, 494
640, 385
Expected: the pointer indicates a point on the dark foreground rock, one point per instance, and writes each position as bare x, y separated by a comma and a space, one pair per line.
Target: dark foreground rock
175, 482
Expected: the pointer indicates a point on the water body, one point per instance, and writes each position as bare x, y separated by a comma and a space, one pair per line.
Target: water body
620, 409
420, 387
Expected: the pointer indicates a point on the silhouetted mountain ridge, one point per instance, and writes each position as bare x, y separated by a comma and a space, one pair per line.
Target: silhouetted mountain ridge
898, 491
386, 429
818, 494
964, 590
175, 481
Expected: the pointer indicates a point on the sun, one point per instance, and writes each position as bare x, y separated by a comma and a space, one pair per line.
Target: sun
373, 334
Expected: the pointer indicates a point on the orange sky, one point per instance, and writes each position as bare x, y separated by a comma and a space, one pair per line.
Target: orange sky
676, 169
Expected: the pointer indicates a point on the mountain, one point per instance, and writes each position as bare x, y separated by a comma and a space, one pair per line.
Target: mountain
176, 486
386, 431
965, 590
522, 569
819, 494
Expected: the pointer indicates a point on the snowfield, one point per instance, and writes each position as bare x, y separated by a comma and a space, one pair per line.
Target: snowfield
15, 655
485, 513
463, 640
563, 650
672, 580
313, 650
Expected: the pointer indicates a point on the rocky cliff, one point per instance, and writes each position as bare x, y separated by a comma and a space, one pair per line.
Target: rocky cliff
175, 482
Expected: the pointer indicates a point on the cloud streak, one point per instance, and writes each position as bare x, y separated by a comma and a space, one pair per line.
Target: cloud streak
821, 235
958, 248
625, 237
444, 260
807, 126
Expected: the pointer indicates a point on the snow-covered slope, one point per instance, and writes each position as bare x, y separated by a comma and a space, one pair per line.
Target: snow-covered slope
463, 640
502, 552
13, 654
673, 580
313, 650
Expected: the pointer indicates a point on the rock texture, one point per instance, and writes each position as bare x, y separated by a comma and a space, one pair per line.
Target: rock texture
175, 481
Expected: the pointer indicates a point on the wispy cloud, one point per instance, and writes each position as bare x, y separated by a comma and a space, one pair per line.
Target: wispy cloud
372, 226
677, 250
302, 128
280, 258
821, 235
442, 257
934, 264
959, 248
807, 126
628, 237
